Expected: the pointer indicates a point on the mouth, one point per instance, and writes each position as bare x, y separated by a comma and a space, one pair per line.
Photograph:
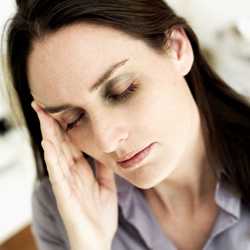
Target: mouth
136, 158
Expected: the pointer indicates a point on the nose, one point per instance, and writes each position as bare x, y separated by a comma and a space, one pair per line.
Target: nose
109, 133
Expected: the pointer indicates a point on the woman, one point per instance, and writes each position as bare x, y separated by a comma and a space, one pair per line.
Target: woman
115, 80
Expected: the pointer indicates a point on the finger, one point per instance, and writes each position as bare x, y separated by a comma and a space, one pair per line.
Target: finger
44, 117
42, 126
54, 129
49, 127
71, 153
105, 176
60, 180
83, 173
67, 153
60, 147
81, 167
59, 133
56, 175
75, 151
75, 163
70, 158
65, 159
35, 106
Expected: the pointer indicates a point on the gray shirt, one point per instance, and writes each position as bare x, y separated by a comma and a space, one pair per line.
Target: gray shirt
138, 228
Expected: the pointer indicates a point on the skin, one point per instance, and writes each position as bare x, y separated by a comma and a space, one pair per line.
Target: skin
175, 178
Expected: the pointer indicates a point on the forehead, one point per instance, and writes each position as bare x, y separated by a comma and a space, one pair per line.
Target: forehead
77, 55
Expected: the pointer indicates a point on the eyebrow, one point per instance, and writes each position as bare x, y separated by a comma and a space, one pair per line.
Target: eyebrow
99, 82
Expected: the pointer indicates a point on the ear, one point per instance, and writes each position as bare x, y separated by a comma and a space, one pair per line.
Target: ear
179, 50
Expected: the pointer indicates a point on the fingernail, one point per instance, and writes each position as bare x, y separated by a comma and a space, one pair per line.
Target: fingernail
43, 143
33, 105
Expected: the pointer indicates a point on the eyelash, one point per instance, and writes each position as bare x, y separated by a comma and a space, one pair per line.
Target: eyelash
112, 98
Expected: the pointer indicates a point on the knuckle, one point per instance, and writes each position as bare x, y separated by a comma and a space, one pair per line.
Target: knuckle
72, 164
79, 160
64, 143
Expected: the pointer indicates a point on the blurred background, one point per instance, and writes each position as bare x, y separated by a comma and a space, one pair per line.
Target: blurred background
223, 28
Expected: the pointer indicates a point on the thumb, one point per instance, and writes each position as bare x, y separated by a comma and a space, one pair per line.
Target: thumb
105, 176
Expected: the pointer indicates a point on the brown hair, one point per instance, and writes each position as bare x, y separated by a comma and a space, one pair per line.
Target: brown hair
225, 114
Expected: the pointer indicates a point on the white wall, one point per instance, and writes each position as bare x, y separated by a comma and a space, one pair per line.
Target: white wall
7, 9
207, 15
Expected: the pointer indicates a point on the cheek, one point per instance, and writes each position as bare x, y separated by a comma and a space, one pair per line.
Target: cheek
81, 139
168, 110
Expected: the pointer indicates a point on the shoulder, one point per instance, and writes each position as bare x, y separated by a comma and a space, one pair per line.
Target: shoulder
47, 225
43, 195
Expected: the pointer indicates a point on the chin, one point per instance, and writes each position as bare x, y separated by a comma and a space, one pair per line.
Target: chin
150, 175
151, 180
148, 183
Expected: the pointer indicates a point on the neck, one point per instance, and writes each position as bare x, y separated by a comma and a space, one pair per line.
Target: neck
190, 187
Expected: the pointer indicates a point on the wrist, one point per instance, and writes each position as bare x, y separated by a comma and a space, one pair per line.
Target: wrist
94, 245
84, 246
83, 240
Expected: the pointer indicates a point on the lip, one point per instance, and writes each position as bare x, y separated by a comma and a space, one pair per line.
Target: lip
130, 155
137, 158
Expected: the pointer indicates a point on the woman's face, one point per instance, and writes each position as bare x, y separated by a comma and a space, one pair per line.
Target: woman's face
143, 97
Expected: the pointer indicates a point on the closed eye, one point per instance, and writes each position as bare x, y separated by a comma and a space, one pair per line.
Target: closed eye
124, 95
111, 98
72, 124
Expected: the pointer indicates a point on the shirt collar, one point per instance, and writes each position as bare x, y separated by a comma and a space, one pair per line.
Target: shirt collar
125, 192
136, 211
228, 199
225, 197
